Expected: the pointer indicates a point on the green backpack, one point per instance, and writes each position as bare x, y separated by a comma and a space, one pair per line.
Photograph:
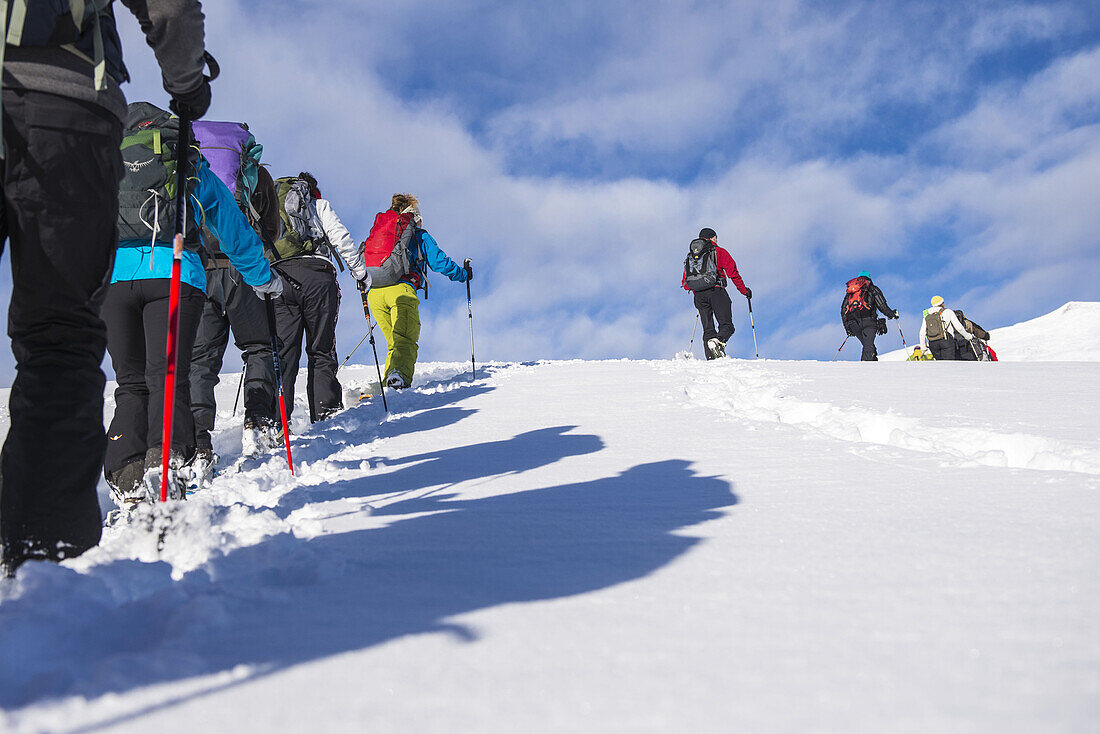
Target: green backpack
147, 193
296, 236
934, 327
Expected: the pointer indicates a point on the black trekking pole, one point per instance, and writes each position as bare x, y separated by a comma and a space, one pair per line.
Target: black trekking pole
278, 376
470, 313
753, 324
841, 347
240, 383
373, 348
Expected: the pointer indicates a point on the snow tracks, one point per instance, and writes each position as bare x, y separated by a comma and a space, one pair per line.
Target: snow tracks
843, 402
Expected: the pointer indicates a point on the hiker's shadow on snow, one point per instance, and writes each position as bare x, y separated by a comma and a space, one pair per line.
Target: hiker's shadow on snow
288, 600
436, 469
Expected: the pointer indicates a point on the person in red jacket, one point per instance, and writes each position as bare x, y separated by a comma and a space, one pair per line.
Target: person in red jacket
708, 282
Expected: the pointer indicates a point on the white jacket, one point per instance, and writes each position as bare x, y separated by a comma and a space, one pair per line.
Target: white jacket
951, 323
325, 222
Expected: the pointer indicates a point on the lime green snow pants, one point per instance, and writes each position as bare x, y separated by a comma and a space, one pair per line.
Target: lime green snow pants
397, 311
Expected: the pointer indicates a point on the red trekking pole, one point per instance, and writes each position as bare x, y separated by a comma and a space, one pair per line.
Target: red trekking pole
172, 351
278, 376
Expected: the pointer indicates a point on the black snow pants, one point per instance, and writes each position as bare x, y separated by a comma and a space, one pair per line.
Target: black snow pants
944, 349
866, 329
231, 304
136, 313
714, 303
965, 350
306, 316
60, 212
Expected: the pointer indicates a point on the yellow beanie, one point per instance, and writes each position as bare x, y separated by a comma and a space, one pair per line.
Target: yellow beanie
937, 300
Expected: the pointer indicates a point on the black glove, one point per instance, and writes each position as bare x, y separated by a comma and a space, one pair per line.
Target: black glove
896, 315
193, 104
748, 293
469, 270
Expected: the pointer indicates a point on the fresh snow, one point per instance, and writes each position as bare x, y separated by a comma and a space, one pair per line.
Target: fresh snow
621, 546
1068, 334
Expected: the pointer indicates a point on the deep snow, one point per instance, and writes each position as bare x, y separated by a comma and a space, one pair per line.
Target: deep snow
606, 546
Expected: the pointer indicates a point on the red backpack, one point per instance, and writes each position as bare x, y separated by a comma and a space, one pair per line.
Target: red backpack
857, 300
387, 249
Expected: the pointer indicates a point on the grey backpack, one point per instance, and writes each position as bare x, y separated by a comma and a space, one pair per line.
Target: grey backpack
701, 266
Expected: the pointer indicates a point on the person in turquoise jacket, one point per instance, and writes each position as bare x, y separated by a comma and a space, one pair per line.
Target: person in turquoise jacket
135, 307
397, 308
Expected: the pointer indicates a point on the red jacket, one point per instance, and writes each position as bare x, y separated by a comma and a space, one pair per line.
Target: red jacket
727, 268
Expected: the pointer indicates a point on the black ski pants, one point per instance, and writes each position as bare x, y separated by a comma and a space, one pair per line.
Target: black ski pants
965, 350
231, 304
136, 313
944, 349
714, 304
306, 316
61, 172
866, 329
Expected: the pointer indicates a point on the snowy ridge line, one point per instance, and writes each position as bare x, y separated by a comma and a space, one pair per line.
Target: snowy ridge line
754, 392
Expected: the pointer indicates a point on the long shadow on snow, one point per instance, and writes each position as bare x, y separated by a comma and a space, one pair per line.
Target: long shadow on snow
446, 467
287, 601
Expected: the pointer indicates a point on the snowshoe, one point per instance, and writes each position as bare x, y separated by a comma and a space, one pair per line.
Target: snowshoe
177, 482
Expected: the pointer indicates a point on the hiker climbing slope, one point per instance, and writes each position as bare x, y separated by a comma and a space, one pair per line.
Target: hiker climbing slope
61, 209
234, 157
311, 238
706, 270
399, 253
863, 301
136, 305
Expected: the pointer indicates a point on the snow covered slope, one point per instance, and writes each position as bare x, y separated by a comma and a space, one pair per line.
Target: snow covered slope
1068, 334
607, 547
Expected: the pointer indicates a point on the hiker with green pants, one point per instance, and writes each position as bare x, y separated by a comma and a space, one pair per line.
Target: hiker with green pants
396, 307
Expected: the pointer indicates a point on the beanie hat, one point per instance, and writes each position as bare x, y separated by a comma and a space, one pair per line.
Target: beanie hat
707, 233
937, 300
864, 274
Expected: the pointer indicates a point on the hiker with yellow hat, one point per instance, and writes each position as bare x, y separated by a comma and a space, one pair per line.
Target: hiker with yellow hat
940, 329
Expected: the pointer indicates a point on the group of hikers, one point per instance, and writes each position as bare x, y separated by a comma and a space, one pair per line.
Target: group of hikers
944, 334
92, 213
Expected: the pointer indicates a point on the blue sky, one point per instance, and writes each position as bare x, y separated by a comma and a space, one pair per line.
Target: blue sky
573, 149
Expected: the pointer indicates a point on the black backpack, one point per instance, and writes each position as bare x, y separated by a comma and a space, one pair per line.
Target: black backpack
701, 266
147, 192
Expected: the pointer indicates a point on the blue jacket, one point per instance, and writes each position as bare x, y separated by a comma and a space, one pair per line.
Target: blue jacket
426, 254
135, 260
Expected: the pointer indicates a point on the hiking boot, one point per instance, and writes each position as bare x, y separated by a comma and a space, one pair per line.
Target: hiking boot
717, 347
127, 487
200, 470
260, 435
177, 484
396, 382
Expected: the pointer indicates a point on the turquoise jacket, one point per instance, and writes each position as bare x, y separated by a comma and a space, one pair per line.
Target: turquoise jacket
218, 210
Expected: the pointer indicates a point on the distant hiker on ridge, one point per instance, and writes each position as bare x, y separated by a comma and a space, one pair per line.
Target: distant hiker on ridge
398, 254
63, 112
863, 300
706, 269
941, 331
